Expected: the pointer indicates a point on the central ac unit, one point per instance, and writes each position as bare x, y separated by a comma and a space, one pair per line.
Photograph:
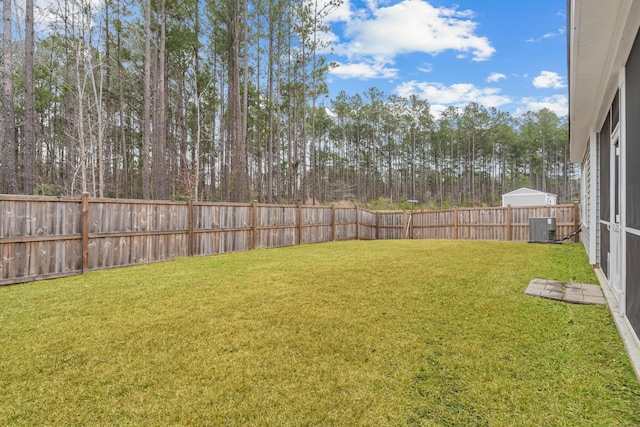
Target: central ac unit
542, 230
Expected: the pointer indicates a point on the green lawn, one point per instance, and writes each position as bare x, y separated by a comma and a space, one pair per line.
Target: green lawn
433, 333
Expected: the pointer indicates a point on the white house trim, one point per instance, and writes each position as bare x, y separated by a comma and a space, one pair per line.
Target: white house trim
622, 127
594, 207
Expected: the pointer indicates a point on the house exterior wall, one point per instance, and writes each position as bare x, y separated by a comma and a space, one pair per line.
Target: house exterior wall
605, 101
589, 202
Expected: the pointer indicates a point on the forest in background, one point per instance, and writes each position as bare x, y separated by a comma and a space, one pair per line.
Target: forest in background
227, 100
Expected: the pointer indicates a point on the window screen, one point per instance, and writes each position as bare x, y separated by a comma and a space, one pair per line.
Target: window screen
633, 137
615, 110
633, 282
604, 249
605, 167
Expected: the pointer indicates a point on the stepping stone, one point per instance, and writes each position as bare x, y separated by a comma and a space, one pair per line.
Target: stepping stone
574, 293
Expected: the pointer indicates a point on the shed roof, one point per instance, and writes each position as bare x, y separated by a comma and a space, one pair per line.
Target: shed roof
524, 191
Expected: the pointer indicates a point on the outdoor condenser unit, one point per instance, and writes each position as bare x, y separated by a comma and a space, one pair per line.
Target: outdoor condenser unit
542, 230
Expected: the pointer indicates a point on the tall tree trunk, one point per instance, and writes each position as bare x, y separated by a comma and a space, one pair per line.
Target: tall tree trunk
121, 113
9, 153
237, 133
108, 107
98, 91
82, 151
198, 158
472, 180
29, 104
244, 140
279, 155
160, 141
270, 98
146, 108
197, 144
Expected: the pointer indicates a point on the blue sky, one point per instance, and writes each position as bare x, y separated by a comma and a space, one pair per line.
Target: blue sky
508, 54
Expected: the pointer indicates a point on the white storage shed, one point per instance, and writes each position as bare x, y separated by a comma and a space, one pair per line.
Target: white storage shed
528, 197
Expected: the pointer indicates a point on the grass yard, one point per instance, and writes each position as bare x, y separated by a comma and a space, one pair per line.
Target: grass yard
384, 333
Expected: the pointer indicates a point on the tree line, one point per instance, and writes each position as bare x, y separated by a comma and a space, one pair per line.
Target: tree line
227, 100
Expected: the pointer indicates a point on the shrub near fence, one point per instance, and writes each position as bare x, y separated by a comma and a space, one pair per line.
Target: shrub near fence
46, 237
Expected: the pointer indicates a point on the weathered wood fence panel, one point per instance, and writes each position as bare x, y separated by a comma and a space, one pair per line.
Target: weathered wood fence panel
136, 232
367, 225
567, 219
346, 221
482, 224
276, 226
222, 228
317, 225
45, 237
508, 223
432, 224
391, 225
39, 239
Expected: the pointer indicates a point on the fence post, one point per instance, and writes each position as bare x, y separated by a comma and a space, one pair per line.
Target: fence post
190, 242
455, 222
254, 227
377, 225
404, 225
299, 223
357, 223
508, 222
576, 221
85, 232
333, 222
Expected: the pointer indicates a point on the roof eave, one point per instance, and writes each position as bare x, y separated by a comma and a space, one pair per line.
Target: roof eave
599, 41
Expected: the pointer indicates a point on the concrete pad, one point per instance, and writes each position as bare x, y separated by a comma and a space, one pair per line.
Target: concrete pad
594, 300
572, 285
595, 291
574, 293
573, 299
537, 284
554, 286
553, 295
533, 292
536, 288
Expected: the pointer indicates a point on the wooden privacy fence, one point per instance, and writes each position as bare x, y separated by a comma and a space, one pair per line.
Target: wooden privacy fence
505, 223
47, 237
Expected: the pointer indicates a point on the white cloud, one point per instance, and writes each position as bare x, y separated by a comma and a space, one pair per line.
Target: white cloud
342, 13
549, 79
560, 32
495, 77
559, 104
47, 13
459, 94
552, 34
364, 71
412, 26
426, 68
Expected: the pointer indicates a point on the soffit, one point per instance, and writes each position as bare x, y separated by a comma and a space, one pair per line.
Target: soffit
595, 31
